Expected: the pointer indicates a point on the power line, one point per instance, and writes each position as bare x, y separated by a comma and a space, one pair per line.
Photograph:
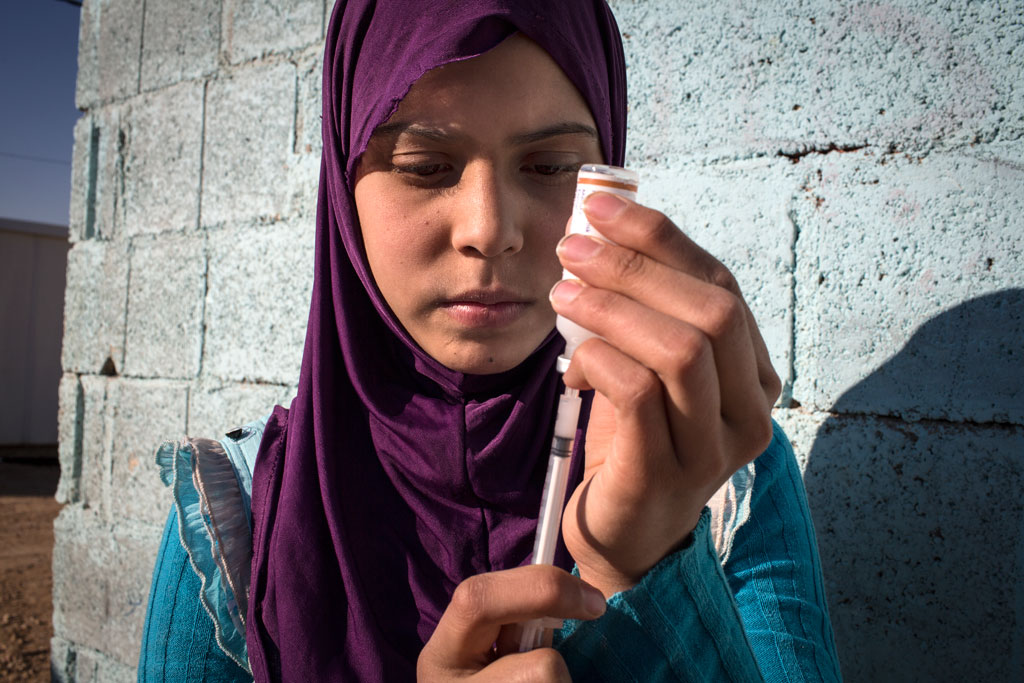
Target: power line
42, 160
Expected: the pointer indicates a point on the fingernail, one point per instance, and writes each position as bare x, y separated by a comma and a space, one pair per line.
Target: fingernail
578, 247
564, 291
593, 601
603, 206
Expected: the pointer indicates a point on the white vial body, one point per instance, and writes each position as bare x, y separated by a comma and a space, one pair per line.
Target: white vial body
592, 178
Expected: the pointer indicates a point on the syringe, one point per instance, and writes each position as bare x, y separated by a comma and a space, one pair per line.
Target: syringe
592, 178
550, 519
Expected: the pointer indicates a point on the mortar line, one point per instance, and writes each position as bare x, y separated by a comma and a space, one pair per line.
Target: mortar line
790, 381
295, 112
220, 32
202, 306
92, 178
119, 194
129, 253
142, 43
202, 155
206, 239
188, 408
77, 456
830, 414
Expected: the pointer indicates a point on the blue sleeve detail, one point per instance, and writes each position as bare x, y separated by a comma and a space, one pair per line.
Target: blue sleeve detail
176, 465
178, 638
679, 623
241, 445
682, 621
775, 574
211, 482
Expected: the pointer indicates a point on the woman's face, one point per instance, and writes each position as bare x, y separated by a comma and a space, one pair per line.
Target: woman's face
462, 196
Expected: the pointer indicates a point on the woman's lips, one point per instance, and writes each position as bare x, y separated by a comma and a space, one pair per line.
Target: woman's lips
477, 314
485, 307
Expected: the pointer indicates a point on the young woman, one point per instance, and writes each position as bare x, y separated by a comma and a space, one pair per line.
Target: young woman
393, 507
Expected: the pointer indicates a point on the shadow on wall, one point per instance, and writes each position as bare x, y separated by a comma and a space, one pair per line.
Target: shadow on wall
915, 484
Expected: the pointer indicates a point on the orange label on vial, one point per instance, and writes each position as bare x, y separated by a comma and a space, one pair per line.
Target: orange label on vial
583, 180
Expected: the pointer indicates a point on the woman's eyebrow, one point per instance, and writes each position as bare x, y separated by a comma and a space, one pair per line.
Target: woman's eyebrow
396, 128
563, 128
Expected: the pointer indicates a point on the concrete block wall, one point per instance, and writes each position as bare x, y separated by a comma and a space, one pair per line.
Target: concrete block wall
859, 166
195, 169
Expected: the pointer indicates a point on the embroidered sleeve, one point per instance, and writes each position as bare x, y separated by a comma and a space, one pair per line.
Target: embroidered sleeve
211, 482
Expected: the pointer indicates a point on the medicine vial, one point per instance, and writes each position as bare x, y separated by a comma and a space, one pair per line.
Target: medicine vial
592, 178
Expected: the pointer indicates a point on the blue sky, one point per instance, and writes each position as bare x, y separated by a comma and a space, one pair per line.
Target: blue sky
38, 63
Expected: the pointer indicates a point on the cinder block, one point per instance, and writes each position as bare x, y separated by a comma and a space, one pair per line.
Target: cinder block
213, 410
308, 138
740, 213
179, 41
253, 28
70, 414
145, 413
257, 303
94, 308
135, 548
248, 148
910, 288
97, 172
918, 529
100, 585
110, 36
81, 584
165, 307
301, 186
726, 81
95, 445
162, 159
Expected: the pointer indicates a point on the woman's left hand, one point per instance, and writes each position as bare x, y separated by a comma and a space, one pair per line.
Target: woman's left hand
684, 388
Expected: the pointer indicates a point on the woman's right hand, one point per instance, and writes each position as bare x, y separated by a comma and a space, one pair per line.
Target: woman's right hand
477, 638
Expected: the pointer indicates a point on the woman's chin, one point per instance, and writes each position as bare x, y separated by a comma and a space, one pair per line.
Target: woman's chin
477, 358
487, 350
483, 362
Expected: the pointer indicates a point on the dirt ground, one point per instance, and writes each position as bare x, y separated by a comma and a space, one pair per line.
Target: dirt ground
27, 510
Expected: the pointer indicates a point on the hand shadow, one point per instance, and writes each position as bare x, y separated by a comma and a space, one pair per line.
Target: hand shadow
915, 485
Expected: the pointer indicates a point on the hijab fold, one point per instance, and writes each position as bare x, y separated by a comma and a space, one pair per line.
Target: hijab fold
392, 478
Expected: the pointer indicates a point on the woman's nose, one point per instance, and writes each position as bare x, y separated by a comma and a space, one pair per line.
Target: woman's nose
485, 219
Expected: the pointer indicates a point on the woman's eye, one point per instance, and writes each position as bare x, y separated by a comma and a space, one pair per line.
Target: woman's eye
421, 170
548, 169
552, 169
551, 173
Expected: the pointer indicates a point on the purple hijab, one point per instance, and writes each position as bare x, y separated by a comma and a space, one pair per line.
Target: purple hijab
392, 478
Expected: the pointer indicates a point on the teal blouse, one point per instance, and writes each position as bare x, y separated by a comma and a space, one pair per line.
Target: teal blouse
743, 601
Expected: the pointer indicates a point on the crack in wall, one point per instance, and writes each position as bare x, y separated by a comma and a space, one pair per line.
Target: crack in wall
795, 157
